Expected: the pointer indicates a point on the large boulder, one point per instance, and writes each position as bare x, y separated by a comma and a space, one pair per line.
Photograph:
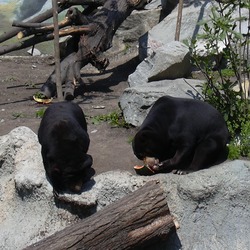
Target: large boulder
28, 211
170, 61
135, 102
164, 32
211, 205
193, 12
133, 28
126, 37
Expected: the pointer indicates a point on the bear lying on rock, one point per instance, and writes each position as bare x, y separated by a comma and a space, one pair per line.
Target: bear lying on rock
65, 142
181, 135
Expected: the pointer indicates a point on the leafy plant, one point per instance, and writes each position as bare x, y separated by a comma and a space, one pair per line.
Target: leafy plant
226, 45
40, 95
245, 139
40, 113
17, 115
234, 151
114, 118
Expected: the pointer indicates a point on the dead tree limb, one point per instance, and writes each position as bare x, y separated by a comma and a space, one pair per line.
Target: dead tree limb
136, 221
42, 38
40, 18
30, 25
57, 51
178, 23
92, 36
91, 45
80, 2
38, 28
62, 5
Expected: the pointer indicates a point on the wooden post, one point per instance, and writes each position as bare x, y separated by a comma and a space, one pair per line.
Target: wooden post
57, 51
178, 23
138, 220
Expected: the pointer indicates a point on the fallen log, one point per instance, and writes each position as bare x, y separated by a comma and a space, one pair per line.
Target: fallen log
73, 17
138, 220
42, 38
62, 5
40, 18
88, 41
91, 45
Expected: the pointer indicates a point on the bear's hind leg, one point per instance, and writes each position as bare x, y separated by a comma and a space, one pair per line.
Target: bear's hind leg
209, 152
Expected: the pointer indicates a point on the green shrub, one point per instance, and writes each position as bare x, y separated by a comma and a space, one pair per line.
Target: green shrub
40, 113
114, 118
245, 139
234, 151
220, 87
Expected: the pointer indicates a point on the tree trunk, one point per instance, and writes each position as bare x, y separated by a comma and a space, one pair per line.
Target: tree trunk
136, 221
40, 18
92, 36
63, 4
91, 45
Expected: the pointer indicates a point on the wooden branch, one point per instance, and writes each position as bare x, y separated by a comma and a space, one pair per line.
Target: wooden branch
178, 23
76, 30
29, 25
42, 38
40, 18
57, 51
137, 220
63, 4
38, 28
80, 2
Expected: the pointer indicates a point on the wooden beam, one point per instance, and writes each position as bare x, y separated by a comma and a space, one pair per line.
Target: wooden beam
135, 221
57, 51
178, 23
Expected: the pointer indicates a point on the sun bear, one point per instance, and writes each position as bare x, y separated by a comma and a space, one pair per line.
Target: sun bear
65, 142
181, 135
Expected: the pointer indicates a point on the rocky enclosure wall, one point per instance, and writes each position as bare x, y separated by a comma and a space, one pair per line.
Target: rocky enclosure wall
211, 206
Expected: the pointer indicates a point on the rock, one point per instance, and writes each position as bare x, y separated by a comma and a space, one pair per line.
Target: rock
154, 4
135, 102
167, 62
168, 6
133, 27
126, 37
27, 209
164, 32
192, 13
34, 52
211, 205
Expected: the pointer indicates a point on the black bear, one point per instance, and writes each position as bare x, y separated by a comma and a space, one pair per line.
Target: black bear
181, 135
65, 142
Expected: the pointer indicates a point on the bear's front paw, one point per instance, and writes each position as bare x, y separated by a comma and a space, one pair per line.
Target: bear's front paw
181, 172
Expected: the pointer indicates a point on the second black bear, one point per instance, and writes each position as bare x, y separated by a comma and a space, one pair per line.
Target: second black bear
181, 135
65, 142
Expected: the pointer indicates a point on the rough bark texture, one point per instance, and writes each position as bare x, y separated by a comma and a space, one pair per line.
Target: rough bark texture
92, 35
63, 4
136, 221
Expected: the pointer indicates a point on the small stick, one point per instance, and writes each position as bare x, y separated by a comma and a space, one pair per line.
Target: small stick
178, 24
57, 51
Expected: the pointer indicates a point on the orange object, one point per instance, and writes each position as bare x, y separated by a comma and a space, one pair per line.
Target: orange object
144, 170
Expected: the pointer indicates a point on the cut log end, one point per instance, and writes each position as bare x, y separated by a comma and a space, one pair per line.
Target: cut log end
20, 35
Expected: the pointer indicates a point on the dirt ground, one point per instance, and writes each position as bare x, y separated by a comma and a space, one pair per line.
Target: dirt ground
22, 77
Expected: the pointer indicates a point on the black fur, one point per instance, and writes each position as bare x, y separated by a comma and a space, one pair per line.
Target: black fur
65, 142
184, 134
